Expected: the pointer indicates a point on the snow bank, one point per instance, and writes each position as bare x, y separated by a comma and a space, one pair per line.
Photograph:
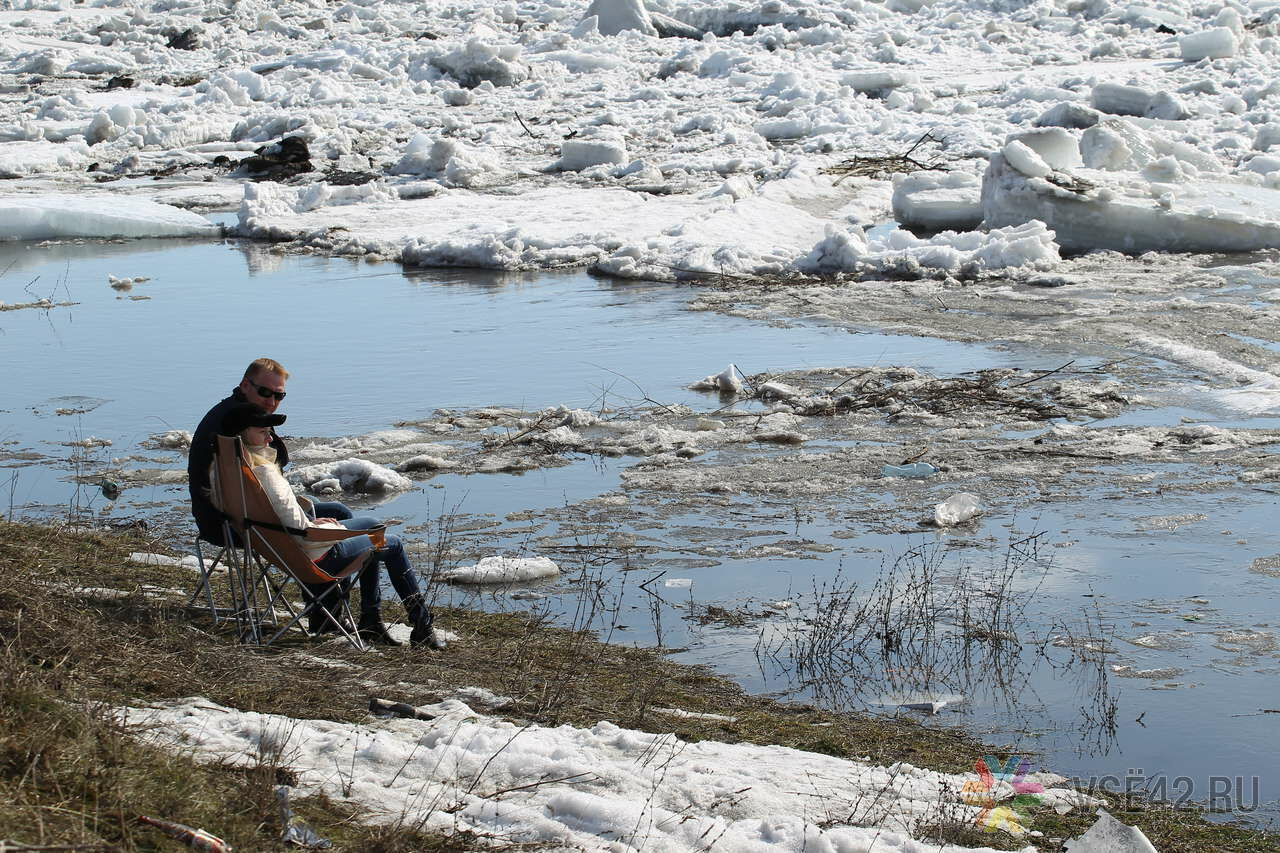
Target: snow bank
57, 216
655, 790
503, 570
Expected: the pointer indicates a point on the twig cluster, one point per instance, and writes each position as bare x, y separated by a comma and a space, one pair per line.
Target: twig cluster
888, 164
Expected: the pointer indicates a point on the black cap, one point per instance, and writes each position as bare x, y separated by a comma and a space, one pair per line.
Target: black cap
244, 415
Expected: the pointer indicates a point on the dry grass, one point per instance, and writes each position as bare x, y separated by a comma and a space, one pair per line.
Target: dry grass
68, 655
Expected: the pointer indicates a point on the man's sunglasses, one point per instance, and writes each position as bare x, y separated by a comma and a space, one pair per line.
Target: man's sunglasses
266, 393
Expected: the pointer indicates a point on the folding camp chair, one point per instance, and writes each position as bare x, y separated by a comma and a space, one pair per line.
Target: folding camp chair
263, 542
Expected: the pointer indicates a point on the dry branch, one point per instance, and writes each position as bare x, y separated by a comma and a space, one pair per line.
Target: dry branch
879, 166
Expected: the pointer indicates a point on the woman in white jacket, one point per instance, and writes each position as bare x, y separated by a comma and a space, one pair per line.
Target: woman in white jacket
253, 425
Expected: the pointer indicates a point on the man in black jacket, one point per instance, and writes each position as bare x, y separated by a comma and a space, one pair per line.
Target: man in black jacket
263, 385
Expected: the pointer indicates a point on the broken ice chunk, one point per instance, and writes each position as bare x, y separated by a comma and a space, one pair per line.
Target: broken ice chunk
726, 381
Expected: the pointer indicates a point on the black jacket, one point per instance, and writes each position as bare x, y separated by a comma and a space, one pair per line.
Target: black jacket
207, 517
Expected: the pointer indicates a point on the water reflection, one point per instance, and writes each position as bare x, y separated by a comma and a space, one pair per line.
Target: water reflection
939, 630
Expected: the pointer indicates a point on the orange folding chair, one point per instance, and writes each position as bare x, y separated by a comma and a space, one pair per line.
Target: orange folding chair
264, 543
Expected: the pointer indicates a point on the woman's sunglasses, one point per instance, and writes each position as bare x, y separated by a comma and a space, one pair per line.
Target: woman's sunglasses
266, 393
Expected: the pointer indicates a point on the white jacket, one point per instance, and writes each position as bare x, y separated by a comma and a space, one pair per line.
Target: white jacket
287, 505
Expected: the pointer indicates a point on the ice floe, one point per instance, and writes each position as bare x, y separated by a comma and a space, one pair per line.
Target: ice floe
349, 475
1128, 188
56, 216
503, 570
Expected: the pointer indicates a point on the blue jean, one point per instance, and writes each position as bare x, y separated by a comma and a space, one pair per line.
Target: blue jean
336, 510
403, 579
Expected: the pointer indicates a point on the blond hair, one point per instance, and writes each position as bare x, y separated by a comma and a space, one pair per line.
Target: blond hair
269, 365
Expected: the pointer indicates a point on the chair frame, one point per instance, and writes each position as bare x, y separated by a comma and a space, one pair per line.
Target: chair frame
204, 585
257, 541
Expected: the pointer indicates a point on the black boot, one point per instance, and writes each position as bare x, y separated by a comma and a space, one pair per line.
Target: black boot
423, 633
371, 630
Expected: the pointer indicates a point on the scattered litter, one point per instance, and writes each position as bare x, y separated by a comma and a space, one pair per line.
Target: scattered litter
110, 489
296, 830
928, 707
196, 839
503, 570
924, 701
957, 509
1108, 835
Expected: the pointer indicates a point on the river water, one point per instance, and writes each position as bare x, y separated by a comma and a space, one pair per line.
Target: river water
371, 345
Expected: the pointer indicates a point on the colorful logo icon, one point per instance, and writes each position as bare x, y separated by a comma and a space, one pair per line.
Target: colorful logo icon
1011, 815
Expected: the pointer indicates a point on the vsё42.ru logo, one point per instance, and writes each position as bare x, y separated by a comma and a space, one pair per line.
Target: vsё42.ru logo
1012, 815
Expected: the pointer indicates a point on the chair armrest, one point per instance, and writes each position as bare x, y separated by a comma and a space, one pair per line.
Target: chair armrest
336, 534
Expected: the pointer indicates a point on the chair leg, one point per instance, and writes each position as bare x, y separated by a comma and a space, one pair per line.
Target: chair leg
247, 608
312, 604
270, 591
205, 584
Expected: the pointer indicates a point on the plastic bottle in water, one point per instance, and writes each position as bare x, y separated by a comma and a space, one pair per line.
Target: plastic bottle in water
916, 470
